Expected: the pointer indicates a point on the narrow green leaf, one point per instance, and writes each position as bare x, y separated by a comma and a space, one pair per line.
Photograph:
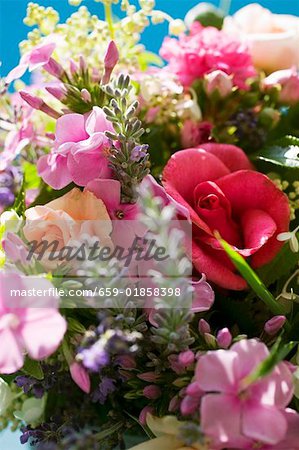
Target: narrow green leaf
252, 278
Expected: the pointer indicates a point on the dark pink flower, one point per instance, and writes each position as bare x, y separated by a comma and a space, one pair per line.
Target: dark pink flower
205, 50
222, 193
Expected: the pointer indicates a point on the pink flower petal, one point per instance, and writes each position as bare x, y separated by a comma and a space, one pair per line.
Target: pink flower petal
247, 190
40, 55
107, 190
16, 73
203, 296
70, 128
263, 423
53, 170
250, 353
233, 157
42, 331
11, 354
221, 417
215, 371
257, 227
216, 266
97, 122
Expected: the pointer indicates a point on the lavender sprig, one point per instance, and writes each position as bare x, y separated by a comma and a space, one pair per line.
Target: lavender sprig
128, 158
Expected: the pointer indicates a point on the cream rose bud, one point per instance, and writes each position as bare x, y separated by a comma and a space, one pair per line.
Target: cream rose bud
177, 27
218, 81
272, 38
5, 396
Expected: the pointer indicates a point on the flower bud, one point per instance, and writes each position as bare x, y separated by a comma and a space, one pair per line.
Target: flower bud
274, 325
189, 405
85, 95
110, 60
152, 392
177, 27
144, 412
54, 68
150, 377
57, 92
80, 377
218, 81
186, 358
288, 81
224, 338
32, 100
204, 327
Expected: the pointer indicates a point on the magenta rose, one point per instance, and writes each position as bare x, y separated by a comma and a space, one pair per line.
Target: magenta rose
222, 192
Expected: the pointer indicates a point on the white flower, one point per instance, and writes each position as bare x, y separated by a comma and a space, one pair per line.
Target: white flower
10, 221
292, 238
32, 410
177, 27
5, 396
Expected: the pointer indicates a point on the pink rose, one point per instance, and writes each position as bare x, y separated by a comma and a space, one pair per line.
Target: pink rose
195, 133
272, 38
217, 185
288, 80
80, 150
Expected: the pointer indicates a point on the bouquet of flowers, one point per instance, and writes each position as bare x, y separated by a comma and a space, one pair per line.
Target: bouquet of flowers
149, 231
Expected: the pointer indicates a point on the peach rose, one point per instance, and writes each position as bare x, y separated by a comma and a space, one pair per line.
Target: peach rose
272, 38
66, 219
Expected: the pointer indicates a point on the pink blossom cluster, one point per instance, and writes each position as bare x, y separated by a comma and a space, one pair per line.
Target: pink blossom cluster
238, 409
204, 50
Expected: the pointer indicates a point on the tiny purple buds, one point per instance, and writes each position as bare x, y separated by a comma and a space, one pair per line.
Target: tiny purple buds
224, 338
186, 358
152, 392
110, 60
80, 377
204, 327
54, 68
274, 325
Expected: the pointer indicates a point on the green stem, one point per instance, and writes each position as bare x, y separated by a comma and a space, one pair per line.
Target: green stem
225, 6
109, 19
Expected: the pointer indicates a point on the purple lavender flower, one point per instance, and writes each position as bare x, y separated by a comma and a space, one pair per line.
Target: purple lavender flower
105, 388
139, 152
95, 357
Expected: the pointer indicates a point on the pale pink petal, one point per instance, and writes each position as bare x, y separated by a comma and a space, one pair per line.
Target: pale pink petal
97, 122
215, 371
42, 331
203, 296
11, 352
80, 376
107, 190
70, 128
250, 353
40, 55
53, 170
16, 73
263, 423
221, 417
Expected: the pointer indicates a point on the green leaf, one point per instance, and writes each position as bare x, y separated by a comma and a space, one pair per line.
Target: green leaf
279, 267
281, 157
19, 205
146, 59
32, 180
252, 278
278, 353
33, 368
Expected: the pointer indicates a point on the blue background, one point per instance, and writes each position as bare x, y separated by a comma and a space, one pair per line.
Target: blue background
12, 31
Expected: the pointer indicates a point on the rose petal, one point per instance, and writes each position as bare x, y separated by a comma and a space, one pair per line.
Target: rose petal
233, 157
258, 227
